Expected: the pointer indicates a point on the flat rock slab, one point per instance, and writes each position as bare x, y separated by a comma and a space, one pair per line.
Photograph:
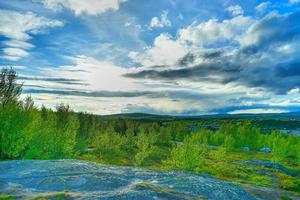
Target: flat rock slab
87, 180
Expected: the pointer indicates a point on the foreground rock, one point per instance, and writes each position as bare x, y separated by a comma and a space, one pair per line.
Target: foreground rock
86, 180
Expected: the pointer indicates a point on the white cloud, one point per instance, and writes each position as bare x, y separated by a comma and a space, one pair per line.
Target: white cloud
261, 8
258, 111
294, 91
165, 51
19, 28
14, 53
99, 75
235, 10
178, 98
105, 76
199, 39
270, 26
294, 1
213, 31
90, 7
18, 44
161, 22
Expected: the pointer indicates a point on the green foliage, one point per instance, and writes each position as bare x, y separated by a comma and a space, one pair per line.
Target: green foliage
56, 137
285, 149
219, 154
52, 196
66, 129
164, 137
108, 143
29, 133
144, 147
6, 197
18, 120
17, 128
9, 89
288, 182
190, 155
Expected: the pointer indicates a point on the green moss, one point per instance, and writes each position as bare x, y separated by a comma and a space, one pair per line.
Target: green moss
6, 197
289, 182
260, 180
285, 197
167, 193
59, 196
52, 196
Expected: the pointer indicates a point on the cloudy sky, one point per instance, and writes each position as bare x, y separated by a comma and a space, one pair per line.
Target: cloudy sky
183, 57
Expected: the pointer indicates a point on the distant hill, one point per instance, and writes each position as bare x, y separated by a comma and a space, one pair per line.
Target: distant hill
140, 116
155, 117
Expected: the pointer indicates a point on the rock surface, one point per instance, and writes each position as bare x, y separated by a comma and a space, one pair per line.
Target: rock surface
86, 180
265, 150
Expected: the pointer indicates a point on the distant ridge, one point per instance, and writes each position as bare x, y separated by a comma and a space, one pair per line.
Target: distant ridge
154, 117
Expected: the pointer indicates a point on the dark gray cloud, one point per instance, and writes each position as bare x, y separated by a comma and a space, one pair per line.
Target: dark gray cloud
197, 73
55, 80
175, 95
212, 55
89, 94
274, 29
253, 64
189, 58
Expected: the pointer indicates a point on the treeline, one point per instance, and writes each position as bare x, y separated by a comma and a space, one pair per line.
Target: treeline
30, 133
26, 132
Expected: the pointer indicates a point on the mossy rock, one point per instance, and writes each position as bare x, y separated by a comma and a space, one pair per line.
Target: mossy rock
53, 196
167, 193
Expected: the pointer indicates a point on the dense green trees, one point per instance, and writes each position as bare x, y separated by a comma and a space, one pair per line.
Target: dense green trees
144, 144
27, 132
18, 120
108, 143
56, 136
17, 128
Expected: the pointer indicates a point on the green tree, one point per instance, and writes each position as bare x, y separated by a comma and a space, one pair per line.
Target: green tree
10, 90
108, 144
17, 128
65, 136
144, 144
191, 154
18, 120
42, 145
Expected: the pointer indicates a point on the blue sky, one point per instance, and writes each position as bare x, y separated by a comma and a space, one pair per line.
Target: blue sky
182, 57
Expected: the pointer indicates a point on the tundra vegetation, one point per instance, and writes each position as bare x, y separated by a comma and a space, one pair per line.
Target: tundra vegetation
27, 132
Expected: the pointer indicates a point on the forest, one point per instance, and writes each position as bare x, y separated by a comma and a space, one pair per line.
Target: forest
28, 132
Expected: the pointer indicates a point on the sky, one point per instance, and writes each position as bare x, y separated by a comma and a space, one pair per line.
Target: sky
177, 57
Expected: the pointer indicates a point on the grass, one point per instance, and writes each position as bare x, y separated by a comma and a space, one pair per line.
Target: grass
6, 197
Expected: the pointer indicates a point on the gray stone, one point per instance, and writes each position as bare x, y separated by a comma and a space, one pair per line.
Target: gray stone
246, 149
265, 150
